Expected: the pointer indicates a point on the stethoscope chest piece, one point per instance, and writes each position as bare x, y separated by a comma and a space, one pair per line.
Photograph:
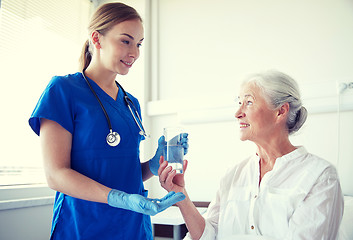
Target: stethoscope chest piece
113, 138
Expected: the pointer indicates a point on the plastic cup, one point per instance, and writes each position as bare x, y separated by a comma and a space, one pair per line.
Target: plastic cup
174, 152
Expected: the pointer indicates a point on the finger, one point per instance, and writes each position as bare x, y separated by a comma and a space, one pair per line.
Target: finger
176, 197
171, 193
184, 140
169, 179
161, 160
186, 147
161, 140
164, 174
185, 165
162, 166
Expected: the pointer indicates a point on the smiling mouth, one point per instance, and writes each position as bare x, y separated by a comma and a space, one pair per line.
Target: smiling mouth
244, 125
127, 63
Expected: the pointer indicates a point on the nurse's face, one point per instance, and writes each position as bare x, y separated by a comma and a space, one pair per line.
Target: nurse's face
119, 47
255, 116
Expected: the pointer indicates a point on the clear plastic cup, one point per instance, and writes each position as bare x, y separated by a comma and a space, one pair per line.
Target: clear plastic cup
174, 151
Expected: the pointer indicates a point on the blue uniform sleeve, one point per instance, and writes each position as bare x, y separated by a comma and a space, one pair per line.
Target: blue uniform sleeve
55, 104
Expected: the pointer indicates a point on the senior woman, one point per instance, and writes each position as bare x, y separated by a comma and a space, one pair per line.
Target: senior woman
281, 191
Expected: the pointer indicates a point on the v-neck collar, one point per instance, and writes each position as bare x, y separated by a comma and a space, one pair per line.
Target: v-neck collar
105, 96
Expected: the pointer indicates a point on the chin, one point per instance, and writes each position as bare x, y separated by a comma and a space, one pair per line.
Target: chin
243, 138
125, 72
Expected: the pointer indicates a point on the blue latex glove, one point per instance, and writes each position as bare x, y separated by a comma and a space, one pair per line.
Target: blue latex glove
154, 162
141, 204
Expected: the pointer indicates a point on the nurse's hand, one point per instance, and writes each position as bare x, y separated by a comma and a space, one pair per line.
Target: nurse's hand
169, 179
154, 162
141, 204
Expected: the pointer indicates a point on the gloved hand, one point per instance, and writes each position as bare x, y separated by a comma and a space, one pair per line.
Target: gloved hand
141, 204
154, 162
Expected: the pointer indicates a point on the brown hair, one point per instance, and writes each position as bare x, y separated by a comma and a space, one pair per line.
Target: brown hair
104, 18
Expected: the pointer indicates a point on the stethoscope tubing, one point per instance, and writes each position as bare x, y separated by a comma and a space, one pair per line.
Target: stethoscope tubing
127, 101
100, 103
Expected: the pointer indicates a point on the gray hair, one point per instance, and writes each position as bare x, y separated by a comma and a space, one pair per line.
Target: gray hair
279, 88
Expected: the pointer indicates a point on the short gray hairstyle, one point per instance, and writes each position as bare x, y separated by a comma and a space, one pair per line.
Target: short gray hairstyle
279, 88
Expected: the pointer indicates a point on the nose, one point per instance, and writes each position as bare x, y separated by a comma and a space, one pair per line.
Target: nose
134, 52
239, 113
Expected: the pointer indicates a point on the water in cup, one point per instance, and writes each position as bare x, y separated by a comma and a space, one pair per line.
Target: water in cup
174, 151
174, 154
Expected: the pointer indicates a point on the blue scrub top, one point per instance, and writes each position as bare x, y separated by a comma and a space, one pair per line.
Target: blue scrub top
68, 101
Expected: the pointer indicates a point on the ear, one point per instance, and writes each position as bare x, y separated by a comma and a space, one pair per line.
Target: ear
95, 36
283, 111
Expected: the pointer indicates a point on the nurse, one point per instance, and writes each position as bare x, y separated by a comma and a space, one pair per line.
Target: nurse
100, 191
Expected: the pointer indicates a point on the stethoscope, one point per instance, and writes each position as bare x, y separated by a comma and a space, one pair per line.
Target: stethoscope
113, 138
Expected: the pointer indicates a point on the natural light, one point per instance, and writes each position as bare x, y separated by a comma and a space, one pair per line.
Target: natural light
38, 39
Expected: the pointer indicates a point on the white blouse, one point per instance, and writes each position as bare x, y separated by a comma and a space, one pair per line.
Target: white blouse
300, 198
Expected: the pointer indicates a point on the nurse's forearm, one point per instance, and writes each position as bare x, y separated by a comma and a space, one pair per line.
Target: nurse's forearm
193, 219
146, 173
56, 149
74, 184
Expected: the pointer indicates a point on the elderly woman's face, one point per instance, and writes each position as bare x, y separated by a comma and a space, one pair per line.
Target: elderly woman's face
256, 118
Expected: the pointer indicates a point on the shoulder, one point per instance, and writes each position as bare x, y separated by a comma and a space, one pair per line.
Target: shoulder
323, 167
134, 99
65, 86
310, 168
65, 81
314, 163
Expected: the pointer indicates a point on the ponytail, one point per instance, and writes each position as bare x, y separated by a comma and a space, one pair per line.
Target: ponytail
85, 57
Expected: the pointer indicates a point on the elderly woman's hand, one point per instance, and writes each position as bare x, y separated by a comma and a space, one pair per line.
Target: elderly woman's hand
168, 178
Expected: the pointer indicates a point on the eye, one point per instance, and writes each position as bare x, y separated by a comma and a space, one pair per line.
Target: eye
249, 103
126, 42
139, 45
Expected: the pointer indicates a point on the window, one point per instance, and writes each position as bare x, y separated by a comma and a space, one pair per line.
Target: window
38, 39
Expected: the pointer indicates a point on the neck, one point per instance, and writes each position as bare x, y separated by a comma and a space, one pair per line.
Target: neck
103, 77
270, 151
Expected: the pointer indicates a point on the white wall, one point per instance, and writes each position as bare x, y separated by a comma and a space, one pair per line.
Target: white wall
208, 45
201, 50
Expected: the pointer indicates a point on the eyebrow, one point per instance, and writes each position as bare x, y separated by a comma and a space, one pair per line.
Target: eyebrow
131, 37
246, 95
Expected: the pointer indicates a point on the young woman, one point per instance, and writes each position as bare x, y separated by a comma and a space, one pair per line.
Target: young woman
90, 131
